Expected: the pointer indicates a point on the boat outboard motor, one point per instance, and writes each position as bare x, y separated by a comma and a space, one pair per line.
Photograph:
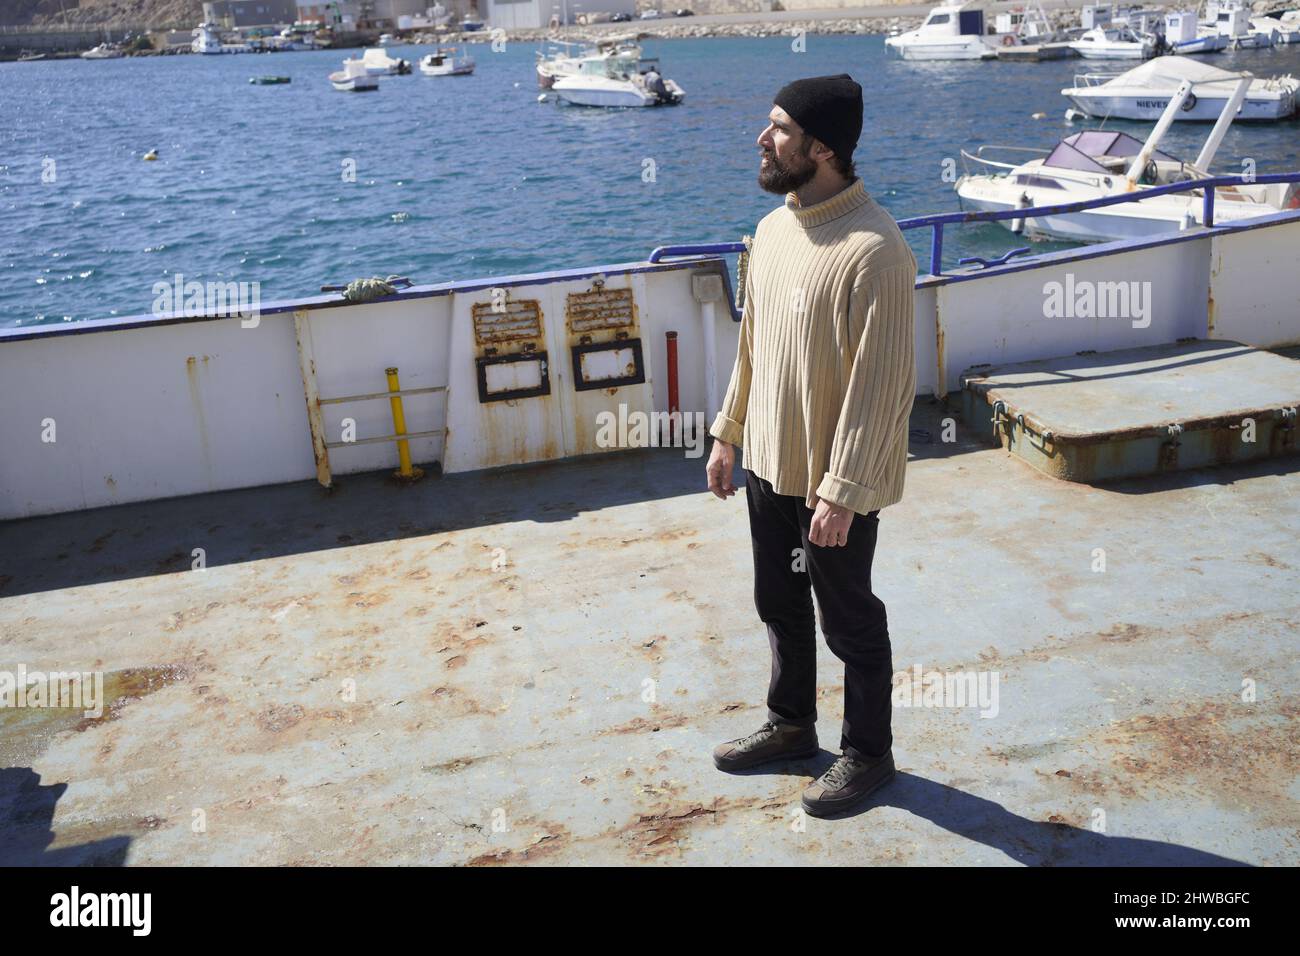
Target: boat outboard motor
655, 84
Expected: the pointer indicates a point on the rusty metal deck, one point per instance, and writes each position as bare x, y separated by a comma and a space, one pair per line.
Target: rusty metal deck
544, 657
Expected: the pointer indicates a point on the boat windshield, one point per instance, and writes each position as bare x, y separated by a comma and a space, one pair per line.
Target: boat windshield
1087, 151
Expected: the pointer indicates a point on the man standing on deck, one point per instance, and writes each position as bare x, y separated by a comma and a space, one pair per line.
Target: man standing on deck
819, 399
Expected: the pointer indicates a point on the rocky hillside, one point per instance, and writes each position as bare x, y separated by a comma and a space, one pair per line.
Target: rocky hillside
147, 13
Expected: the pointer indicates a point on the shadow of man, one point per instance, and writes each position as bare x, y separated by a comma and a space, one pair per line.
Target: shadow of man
26, 826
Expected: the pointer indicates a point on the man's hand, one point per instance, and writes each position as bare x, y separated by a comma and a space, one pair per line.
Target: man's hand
830, 525
721, 461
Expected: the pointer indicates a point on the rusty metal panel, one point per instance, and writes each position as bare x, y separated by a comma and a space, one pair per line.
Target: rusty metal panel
607, 365
1099, 416
519, 321
599, 309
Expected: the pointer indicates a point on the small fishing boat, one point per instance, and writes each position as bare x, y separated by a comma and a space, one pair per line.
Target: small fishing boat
1098, 164
1183, 35
206, 39
951, 31
1231, 19
447, 61
1144, 92
27, 56
378, 63
269, 80
354, 77
1116, 43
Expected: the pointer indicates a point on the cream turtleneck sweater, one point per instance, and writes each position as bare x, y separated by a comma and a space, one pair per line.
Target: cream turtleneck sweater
825, 374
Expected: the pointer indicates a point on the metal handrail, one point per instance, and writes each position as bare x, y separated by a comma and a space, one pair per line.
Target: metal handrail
938, 220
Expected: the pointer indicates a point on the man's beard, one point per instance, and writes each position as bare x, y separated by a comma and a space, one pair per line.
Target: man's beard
777, 177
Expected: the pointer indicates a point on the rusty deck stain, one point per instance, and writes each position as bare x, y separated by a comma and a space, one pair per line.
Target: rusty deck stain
532, 666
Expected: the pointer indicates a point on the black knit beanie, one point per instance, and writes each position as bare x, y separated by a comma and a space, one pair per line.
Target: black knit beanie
827, 107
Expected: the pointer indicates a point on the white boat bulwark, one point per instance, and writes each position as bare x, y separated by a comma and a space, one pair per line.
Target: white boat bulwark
1144, 92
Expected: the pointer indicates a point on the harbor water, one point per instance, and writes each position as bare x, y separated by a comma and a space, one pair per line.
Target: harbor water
295, 186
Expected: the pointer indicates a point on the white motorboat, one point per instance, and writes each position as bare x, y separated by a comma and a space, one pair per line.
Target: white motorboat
1144, 92
951, 31
1115, 43
1095, 164
206, 39
105, 51
1182, 35
354, 77
616, 78
559, 58
379, 63
447, 61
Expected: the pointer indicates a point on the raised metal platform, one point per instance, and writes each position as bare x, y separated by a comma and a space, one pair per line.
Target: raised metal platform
1100, 416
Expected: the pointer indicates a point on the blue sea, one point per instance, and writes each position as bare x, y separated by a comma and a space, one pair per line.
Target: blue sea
465, 177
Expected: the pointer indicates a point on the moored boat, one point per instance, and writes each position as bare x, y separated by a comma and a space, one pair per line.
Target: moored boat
1099, 164
354, 77
447, 61
618, 79
1115, 43
1144, 92
378, 63
105, 51
951, 31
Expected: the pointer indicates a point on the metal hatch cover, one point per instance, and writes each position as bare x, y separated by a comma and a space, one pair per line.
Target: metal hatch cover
1096, 417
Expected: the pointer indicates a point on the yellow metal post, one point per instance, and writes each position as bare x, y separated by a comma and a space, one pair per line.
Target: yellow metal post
405, 471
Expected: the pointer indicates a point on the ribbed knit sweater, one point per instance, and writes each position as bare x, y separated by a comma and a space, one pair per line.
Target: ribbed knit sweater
825, 373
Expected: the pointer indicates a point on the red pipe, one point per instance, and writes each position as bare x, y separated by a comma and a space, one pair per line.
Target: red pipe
673, 412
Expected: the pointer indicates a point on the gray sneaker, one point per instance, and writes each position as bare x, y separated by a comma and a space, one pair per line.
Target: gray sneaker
847, 783
770, 742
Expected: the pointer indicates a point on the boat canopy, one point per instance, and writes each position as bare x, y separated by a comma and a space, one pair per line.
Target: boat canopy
1088, 149
1173, 70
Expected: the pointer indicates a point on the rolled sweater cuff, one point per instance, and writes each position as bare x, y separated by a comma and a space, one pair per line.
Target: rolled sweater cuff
727, 429
847, 494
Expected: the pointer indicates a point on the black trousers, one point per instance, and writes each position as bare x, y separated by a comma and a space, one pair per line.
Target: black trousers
852, 618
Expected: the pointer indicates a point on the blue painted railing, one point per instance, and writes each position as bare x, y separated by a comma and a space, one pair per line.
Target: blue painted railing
938, 221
